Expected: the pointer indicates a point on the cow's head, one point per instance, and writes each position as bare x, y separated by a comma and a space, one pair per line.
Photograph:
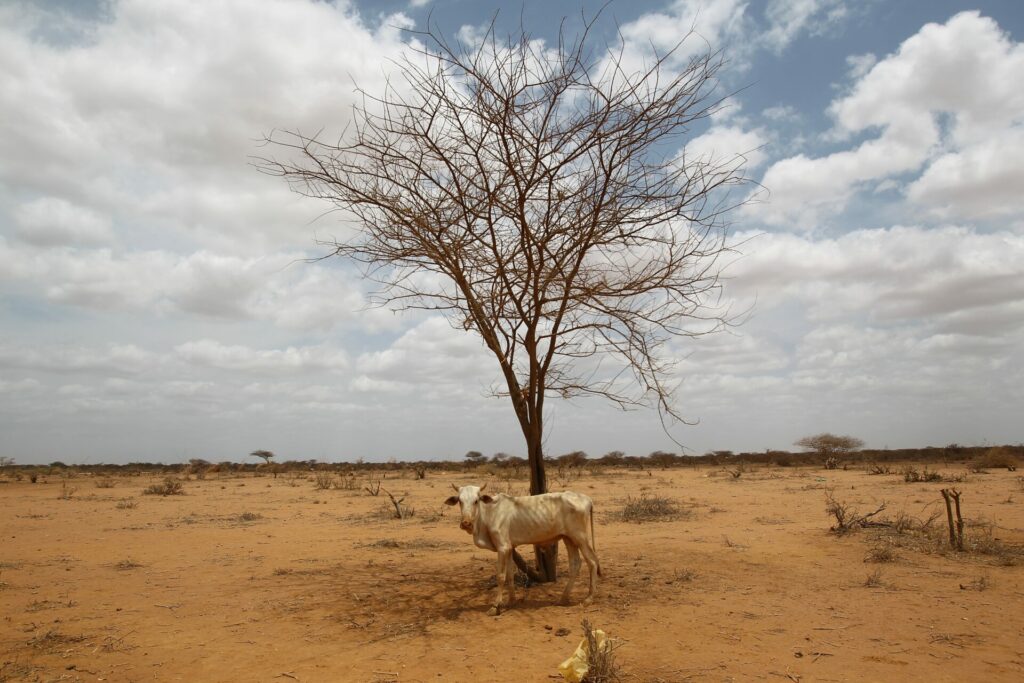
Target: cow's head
469, 499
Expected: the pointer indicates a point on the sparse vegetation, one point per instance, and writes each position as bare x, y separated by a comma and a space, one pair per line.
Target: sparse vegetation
168, 487
874, 579
881, 553
126, 504
105, 483
601, 664
125, 565
847, 517
66, 492
648, 508
323, 481
998, 457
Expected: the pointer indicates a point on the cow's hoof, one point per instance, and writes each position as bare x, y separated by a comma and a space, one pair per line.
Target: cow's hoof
494, 611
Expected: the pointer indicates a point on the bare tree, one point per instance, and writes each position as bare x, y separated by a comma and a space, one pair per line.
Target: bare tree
537, 196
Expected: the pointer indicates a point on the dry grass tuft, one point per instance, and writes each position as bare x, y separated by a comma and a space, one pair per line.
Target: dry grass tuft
881, 553
105, 483
601, 664
126, 504
249, 516
647, 508
169, 487
125, 565
874, 579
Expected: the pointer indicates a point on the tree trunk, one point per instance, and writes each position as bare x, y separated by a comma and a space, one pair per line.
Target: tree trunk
546, 555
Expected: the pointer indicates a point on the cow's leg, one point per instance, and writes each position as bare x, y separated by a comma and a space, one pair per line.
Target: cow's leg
504, 559
574, 568
591, 557
510, 578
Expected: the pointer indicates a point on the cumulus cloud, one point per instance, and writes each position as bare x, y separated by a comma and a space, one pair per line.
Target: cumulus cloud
52, 222
965, 69
728, 145
787, 18
211, 353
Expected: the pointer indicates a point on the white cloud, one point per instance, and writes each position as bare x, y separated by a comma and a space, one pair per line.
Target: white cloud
729, 145
211, 353
52, 221
787, 18
967, 68
150, 121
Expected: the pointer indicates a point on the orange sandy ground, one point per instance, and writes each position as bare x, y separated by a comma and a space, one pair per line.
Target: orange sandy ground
315, 589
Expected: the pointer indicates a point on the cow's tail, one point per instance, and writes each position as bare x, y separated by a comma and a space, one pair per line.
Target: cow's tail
593, 541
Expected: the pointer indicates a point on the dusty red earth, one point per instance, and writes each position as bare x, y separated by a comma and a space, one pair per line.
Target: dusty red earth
251, 578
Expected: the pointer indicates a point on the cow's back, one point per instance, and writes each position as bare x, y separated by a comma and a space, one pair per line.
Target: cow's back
546, 517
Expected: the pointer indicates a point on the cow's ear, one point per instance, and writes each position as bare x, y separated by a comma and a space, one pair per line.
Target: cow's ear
452, 500
486, 499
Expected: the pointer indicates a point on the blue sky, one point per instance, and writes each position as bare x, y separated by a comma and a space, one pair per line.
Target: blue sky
153, 305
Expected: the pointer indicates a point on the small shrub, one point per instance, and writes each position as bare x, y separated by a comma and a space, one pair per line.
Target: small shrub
66, 492
169, 487
105, 483
346, 482
126, 504
874, 579
647, 508
875, 468
323, 481
847, 517
33, 477
832, 463
249, 516
881, 553
601, 664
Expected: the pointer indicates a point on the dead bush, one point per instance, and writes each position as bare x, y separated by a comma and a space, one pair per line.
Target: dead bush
875, 468
66, 492
847, 517
874, 579
322, 481
346, 482
646, 508
105, 483
126, 504
912, 474
601, 664
881, 553
168, 487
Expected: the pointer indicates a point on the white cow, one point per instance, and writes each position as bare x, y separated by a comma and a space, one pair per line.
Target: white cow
500, 523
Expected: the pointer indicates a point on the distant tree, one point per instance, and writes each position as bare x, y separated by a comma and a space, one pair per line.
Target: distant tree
573, 459
499, 457
474, 457
661, 459
830, 445
266, 455
612, 458
6, 461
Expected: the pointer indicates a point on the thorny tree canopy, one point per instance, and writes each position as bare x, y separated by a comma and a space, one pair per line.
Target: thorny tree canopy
536, 195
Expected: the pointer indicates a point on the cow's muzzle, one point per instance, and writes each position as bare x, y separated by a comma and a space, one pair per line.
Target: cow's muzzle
466, 526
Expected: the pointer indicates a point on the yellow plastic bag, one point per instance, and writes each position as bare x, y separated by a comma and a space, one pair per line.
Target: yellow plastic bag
575, 668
